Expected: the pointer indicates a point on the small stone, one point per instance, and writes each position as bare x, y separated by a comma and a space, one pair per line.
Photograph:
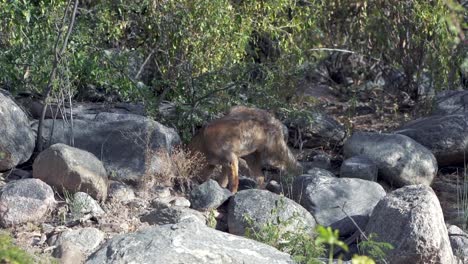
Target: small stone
208, 195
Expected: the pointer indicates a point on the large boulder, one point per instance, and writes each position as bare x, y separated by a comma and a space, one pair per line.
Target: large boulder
263, 206
17, 140
124, 143
401, 160
411, 220
446, 136
315, 129
23, 201
326, 198
72, 169
186, 242
450, 102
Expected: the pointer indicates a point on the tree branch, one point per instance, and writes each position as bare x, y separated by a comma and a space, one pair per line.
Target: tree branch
57, 58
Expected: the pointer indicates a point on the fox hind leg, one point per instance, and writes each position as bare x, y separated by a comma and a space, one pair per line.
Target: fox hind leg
254, 162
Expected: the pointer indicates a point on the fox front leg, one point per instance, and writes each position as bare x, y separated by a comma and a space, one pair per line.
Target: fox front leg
234, 174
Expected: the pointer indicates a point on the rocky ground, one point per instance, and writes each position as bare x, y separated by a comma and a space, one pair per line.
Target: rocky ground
96, 194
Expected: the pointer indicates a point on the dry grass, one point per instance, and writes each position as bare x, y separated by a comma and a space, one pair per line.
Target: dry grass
177, 169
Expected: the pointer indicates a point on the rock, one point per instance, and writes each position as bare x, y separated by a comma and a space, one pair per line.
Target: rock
85, 239
208, 195
445, 136
401, 161
185, 242
274, 187
258, 205
23, 201
69, 253
171, 215
316, 129
411, 220
459, 242
359, 167
18, 139
84, 204
120, 192
317, 172
180, 201
324, 197
321, 161
450, 102
72, 169
124, 143
246, 183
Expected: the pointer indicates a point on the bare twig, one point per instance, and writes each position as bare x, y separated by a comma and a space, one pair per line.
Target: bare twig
57, 58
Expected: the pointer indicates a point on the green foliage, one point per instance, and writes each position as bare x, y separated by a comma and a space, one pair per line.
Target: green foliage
9, 253
377, 250
283, 235
330, 237
208, 55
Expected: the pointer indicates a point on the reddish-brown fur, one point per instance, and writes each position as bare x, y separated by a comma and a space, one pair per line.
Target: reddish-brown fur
245, 132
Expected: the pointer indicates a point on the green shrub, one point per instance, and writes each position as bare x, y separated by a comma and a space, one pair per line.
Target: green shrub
9, 253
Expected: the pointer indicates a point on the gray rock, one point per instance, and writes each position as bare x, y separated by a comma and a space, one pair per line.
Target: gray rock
459, 241
121, 141
85, 204
446, 136
317, 172
23, 201
171, 215
72, 169
401, 161
188, 242
450, 102
411, 219
180, 201
69, 253
316, 129
208, 195
359, 167
246, 183
85, 239
258, 205
119, 191
324, 197
18, 139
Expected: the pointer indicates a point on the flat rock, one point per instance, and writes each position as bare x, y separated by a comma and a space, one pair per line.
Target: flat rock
185, 242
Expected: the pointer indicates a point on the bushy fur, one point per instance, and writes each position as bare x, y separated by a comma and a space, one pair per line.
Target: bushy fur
249, 133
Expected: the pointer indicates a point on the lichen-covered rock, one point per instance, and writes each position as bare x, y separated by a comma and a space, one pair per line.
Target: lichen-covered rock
23, 201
